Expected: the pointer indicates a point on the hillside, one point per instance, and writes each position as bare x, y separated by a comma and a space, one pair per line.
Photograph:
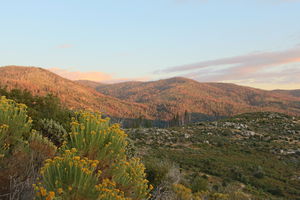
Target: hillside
92, 84
249, 156
39, 81
168, 97
160, 100
295, 93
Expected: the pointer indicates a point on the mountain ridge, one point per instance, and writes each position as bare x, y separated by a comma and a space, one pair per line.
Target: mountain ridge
181, 94
156, 100
40, 81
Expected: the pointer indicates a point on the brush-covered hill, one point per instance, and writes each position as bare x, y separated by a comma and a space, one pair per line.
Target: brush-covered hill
295, 93
248, 156
92, 84
168, 97
39, 81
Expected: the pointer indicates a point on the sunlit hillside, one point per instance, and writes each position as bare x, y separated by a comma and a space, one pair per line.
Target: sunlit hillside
75, 96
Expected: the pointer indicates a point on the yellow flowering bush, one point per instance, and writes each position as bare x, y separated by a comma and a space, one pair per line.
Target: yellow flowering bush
96, 139
93, 165
22, 150
182, 192
185, 193
4, 145
108, 191
15, 125
130, 175
69, 176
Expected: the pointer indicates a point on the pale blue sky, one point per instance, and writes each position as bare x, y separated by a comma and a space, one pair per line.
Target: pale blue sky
134, 38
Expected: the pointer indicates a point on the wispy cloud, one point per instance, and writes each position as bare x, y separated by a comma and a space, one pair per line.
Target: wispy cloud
245, 63
77, 75
263, 67
93, 76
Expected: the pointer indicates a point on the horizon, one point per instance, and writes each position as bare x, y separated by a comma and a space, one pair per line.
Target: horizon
253, 43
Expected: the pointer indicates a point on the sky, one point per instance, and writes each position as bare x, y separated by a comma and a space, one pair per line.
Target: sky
247, 42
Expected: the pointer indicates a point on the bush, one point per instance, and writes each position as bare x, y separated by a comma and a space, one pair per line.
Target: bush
15, 125
96, 139
259, 172
21, 150
182, 192
199, 184
52, 130
41, 148
40, 107
93, 165
157, 171
69, 176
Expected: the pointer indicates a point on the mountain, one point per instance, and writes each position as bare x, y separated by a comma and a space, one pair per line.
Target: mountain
74, 95
169, 97
164, 99
92, 84
295, 93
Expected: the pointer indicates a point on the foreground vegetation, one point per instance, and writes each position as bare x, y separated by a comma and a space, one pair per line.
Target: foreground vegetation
50, 152
91, 163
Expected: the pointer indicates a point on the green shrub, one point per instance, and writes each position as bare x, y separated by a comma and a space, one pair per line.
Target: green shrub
157, 170
52, 130
259, 172
15, 125
93, 165
96, 139
199, 184
40, 107
41, 148
68, 176
22, 150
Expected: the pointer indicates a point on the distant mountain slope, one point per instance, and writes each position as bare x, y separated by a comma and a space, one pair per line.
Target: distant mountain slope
167, 97
92, 84
295, 93
161, 99
74, 95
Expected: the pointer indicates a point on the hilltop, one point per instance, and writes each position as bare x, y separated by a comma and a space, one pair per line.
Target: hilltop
92, 84
168, 97
39, 81
178, 98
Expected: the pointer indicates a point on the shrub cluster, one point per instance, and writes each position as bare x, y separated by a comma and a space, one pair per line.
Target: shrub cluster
22, 150
91, 162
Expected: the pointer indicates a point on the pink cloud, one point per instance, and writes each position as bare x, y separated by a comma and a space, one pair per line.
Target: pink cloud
94, 76
264, 68
249, 62
77, 75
